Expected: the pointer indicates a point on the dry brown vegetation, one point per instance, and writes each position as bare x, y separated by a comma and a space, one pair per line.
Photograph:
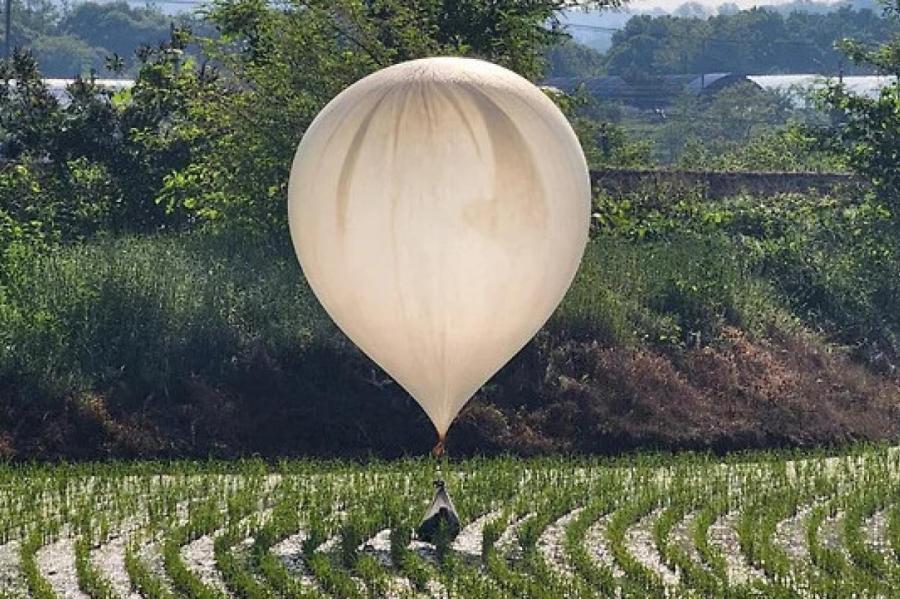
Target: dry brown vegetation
736, 393
776, 325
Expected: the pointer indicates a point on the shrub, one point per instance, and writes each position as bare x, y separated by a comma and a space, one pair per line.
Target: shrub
147, 312
678, 291
208, 342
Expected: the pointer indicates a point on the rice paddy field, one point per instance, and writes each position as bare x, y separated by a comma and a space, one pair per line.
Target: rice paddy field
753, 525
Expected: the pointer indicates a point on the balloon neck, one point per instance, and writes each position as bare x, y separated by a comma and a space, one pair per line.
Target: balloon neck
438, 450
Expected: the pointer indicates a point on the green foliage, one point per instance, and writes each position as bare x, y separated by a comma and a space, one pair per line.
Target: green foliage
586, 525
147, 313
290, 61
66, 55
866, 132
351, 537
740, 127
571, 59
791, 148
674, 293
723, 122
759, 40
604, 143
832, 261
69, 40
96, 162
666, 269
114, 28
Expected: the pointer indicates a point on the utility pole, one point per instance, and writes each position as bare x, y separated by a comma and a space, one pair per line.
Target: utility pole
6, 40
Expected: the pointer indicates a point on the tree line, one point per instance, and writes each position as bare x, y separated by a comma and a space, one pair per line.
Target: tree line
75, 39
755, 41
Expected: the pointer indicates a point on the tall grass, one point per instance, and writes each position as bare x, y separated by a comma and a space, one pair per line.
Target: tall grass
150, 310
153, 310
204, 323
679, 291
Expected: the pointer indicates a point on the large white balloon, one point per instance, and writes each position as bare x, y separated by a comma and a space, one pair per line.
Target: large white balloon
440, 209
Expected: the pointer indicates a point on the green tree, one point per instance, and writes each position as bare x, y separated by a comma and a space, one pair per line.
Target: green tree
191, 141
759, 40
115, 27
69, 41
867, 130
571, 59
719, 123
605, 143
33, 18
66, 56
281, 65
120, 145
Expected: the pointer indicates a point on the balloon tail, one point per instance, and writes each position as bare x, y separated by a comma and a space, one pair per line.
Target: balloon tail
438, 450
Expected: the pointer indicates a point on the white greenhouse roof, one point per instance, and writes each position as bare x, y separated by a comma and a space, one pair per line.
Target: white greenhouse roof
864, 85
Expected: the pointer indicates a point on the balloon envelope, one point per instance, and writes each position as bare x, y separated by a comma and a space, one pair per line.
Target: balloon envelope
440, 209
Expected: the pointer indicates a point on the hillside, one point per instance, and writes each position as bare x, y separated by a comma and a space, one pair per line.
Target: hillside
693, 323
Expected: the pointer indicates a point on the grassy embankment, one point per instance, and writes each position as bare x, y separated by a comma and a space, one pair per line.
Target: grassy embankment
740, 323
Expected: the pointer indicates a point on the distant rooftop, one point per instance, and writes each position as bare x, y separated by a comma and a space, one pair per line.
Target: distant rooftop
649, 92
657, 92
863, 85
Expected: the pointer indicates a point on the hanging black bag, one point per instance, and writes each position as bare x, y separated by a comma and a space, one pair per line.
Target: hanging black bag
441, 522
